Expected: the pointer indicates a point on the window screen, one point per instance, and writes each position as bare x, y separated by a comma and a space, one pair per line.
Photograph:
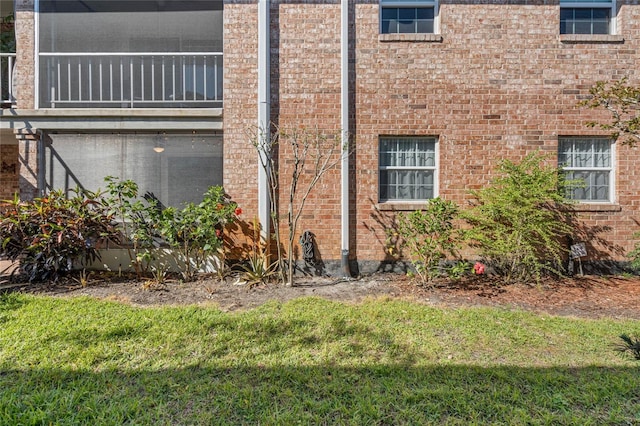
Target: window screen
130, 26
175, 168
130, 54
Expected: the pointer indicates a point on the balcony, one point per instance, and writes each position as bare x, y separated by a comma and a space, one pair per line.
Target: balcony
7, 62
130, 80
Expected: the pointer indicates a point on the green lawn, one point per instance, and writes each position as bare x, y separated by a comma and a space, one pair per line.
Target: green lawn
309, 361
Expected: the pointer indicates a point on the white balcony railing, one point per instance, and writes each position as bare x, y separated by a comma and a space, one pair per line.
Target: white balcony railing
130, 80
7, 62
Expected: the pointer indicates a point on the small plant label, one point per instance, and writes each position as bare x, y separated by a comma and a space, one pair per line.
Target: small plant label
578, 250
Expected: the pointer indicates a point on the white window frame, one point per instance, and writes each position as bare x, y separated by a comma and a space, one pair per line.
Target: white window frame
610, 169
594, 5
435, 168
398, 4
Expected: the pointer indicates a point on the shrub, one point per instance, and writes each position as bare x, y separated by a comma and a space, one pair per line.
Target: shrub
196, 231
48, 234
256, 267
634, 255
138, 220
430, 237
519, 221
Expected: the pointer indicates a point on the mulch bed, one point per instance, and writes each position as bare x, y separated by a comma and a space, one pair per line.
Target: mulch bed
580, 296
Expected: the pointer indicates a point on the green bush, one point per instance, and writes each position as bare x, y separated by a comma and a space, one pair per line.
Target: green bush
519, 222
48, 234
196, 231
430, 237
138, 219
634, 255
193, 232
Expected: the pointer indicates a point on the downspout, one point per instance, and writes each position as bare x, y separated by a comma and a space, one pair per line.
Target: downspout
344, 125
264, 122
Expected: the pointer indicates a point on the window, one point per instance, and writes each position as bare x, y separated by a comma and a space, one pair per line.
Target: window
587, 16
588, 163
408, 16
408, 167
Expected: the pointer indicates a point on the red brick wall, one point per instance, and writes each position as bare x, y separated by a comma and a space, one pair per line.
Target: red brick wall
306, 89
9, 168
25, 54
500, 84
240, 107
305, 94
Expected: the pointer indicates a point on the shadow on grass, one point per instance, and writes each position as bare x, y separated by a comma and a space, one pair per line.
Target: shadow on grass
308, 361
377, 394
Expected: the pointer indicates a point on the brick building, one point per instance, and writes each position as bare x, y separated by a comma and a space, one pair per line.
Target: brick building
432, 93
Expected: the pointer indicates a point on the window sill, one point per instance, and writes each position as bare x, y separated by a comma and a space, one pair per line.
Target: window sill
592, 207
591, 38
399, 206
428, 38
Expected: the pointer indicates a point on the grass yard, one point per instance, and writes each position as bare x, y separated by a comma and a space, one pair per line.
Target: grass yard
309, 361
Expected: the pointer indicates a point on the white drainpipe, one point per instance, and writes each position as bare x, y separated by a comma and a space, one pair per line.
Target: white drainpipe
264, 133
344, 124
264, 122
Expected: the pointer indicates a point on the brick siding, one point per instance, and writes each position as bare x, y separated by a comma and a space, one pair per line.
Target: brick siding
499, 84
9, 169
25, 54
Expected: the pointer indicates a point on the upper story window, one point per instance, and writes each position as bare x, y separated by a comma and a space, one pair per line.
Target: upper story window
587, 17
408, 16
588, 165
408, 168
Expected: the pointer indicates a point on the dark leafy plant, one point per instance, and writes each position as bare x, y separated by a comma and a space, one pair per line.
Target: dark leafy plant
629, 345
458, 269
7, 34
50, 233
429, 236
519, 221
195, 232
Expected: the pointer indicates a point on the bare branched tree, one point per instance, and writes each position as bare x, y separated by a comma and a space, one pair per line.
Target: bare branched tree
309, 155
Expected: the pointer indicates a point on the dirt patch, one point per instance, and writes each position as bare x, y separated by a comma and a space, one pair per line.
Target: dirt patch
586, 296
